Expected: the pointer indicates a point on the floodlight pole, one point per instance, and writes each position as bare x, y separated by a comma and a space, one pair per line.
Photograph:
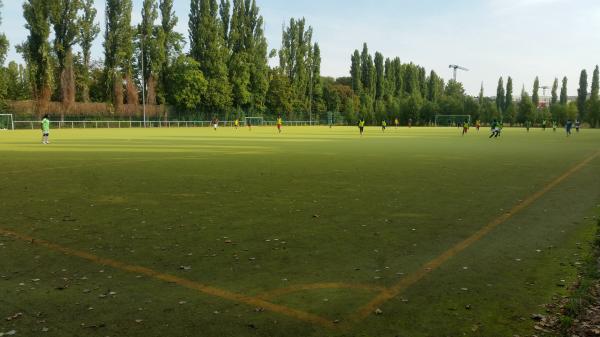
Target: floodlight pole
143, 81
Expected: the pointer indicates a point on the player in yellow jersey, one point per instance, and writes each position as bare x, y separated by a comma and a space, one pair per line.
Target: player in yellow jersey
361, 126
279, 123
236, 123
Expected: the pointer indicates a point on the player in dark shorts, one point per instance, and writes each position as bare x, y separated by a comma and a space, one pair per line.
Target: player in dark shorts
361, 126
569, 127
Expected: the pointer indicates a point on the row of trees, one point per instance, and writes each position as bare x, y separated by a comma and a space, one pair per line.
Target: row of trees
529, 108
226, 69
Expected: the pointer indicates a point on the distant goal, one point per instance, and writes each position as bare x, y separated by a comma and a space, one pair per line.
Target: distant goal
7, 122
254, 121
451, 120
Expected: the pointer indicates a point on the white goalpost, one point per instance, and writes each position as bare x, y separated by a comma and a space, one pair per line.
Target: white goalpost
7, 122
452, 120
254, 121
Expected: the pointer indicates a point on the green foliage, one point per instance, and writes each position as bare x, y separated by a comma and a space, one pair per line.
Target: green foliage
209, 49
563, 92
555, 92
582, 94
526, 109
187, 84
535, 98
18, 77
88, 32
118, 46
36, 50
509, 94
500, 95
279, 97
296, 62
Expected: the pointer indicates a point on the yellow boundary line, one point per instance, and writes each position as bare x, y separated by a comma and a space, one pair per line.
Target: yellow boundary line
385, 294
206, 289
434, 264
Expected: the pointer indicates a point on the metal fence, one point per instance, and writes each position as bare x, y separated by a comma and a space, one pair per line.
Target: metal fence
148, 124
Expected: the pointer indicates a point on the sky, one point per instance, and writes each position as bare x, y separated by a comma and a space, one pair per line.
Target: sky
492, 38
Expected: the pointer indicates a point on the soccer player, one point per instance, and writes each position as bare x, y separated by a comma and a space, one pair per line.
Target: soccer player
554, 126
396, 122
215, 123
279, 123
249, 123
527, 125
465, 128
544, 125
45, 129
361, 126
236, 123
383, 125
569, 127
478, 125
577, 125
410, 123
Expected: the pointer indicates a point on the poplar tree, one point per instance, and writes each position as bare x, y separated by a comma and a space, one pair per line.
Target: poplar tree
209, 50
88, 32
172, 44
563, 92
36, 49
63, 17
582, 94
118, 52
4, 45
555, 92
149, 45
509, 94
379, 79
356, 72
500, 102
535, 97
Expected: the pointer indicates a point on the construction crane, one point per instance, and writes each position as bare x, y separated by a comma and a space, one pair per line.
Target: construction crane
456, 69
544, 89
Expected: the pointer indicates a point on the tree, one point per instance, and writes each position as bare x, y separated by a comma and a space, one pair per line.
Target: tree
593, 105
118, 52
20, 87
88, 32
582, 94
555, 92
356, 73
63, 17
279, 97
433, 92
317, 105
509, 94
36, 50
295, 61
535, 98
149, 46
500, 103
187, 84
172, 44
259, 71
379, 76
4, 45
481, 96
526, 108
207, 47
563, 92
595, 84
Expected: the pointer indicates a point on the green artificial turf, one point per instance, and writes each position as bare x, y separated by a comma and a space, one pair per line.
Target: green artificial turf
256, 212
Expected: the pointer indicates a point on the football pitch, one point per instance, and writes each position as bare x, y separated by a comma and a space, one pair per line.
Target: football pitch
312, 232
